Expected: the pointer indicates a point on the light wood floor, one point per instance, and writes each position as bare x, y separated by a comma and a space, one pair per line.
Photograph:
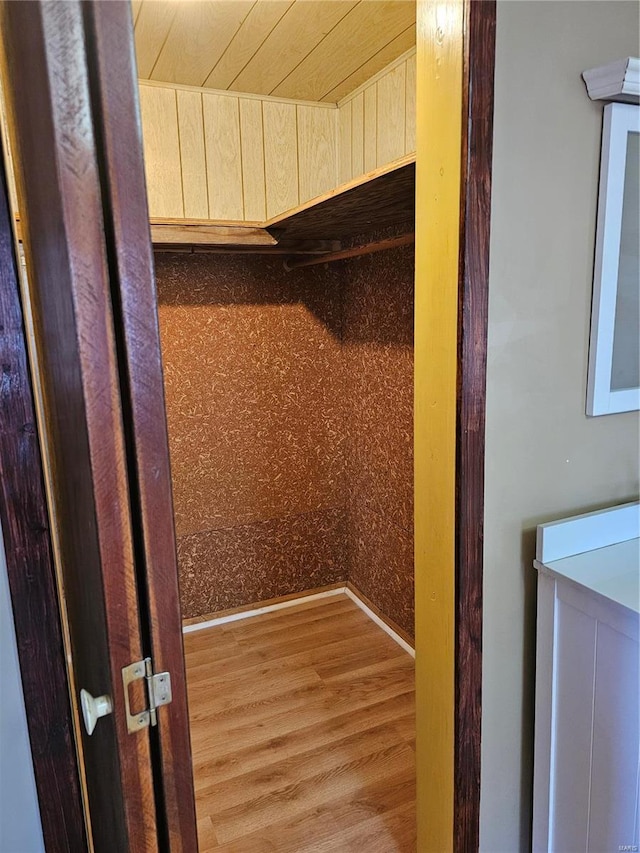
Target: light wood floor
302, 726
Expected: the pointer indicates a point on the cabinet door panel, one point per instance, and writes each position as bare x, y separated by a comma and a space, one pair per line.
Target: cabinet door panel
614, 763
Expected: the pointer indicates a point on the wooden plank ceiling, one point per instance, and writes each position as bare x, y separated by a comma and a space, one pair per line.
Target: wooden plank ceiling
316, 50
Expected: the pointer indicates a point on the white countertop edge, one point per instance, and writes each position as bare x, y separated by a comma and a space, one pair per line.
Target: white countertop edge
613, 572
590, 531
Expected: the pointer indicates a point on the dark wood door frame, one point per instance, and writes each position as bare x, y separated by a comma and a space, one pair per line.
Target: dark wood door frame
31, 570
473, 290
68, 73
135, 306
49, 106
50, 723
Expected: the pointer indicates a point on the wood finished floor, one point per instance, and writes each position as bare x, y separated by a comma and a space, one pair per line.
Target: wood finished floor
303, 733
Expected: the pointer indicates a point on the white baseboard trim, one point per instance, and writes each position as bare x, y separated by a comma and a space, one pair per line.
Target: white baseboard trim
292, 602
268, 608
380, 623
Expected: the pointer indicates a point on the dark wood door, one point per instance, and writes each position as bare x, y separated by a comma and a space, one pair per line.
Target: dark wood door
70, 86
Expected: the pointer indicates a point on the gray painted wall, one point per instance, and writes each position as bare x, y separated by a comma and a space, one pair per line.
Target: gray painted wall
20, 829
545, 458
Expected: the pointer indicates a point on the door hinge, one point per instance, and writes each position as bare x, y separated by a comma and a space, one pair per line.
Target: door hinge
158, 693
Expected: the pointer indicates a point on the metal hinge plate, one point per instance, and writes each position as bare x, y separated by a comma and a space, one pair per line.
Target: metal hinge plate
158, 693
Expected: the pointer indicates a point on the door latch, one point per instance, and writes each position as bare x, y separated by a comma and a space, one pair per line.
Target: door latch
158, 693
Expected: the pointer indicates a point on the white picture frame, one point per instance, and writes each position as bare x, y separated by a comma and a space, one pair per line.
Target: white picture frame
603, 398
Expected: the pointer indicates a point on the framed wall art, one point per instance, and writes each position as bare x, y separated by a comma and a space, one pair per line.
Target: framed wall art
613, 383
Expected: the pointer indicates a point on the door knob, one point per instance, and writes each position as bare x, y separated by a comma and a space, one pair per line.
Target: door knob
93, 708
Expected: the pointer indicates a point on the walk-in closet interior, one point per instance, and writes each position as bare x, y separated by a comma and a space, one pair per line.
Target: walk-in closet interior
279, 141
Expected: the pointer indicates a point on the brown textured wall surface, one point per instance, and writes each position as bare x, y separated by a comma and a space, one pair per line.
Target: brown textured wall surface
290, 414
378, 357
254, 391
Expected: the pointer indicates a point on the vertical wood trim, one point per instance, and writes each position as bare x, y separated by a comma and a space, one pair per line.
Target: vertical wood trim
357, 135
410, 107
193, 166
316, 151
391, 115
162, 150
455, 66
31, 570
280, 156
252, 138
544, 703
370, 128
139, 356
439, 102
475, 217
345, 171
224, 159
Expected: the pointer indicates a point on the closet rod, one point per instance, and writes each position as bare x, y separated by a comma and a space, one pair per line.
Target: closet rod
355, 252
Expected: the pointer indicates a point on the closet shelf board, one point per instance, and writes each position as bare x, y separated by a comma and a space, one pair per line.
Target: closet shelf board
371, 202
210, 234
376, 200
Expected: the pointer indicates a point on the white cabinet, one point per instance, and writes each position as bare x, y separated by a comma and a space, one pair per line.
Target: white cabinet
587, 750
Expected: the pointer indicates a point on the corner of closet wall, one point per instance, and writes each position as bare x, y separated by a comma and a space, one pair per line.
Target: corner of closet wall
301, 475
290, 428
256, 426
377, 352
274, 153
377, 121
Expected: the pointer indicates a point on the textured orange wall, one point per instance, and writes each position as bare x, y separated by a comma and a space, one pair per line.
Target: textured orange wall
289, 407
253, 383
378, 360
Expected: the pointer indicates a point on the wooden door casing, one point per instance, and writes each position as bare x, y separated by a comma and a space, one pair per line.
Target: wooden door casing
473, 320
31, 569
455, 67
63, 195
135, 305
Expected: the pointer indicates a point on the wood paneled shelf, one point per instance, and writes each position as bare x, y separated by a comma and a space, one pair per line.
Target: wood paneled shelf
377, 200
168, 234
374, 201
